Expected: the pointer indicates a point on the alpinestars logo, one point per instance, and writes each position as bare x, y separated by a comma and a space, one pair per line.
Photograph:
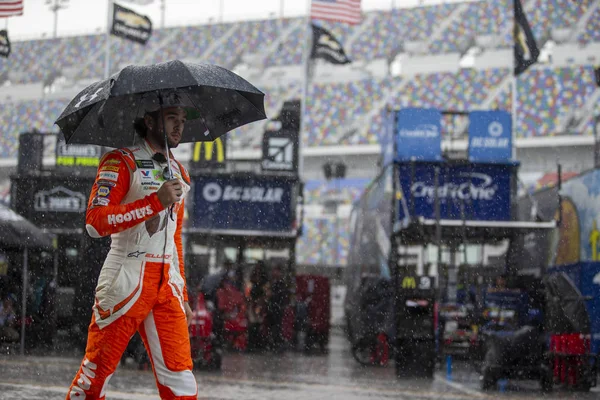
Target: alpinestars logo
280, 155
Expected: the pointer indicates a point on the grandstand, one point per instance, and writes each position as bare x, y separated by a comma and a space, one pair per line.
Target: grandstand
453, 56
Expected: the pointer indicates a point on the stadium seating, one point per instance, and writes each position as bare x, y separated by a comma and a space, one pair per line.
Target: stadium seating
346, 113
545, 15
318, 243
549, 94
346, 190
592, 29
479, 18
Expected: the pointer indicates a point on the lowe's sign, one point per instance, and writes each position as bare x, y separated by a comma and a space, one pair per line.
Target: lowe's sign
490, 136
243, 204
475, 191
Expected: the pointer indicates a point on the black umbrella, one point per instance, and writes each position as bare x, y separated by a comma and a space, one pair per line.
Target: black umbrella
16, 232
217, 101
566, 309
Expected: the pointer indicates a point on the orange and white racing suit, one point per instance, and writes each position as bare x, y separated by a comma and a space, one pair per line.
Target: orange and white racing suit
141, 286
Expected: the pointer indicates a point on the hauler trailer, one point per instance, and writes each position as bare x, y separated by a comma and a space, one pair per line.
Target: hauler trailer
421, 198
243, 214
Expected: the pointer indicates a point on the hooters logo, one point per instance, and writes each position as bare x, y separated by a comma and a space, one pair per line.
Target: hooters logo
133, 215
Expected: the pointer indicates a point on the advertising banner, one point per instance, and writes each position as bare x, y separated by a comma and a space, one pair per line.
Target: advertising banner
52, 202
490, 136
471, 191
209, 155
418, 134
70, 157
243, 204
280, 144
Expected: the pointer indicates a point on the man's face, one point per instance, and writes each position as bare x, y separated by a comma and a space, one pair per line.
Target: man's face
175, 119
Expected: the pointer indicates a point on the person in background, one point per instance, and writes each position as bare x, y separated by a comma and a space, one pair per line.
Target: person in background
257, 306
277, 302
8, 320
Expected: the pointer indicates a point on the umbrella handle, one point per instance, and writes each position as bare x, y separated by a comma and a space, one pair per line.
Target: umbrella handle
162, 117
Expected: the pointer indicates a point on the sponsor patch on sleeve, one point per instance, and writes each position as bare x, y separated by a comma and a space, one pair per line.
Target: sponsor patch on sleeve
100, 201
104, 182
109, 168
108, 175
103, 191
147, 164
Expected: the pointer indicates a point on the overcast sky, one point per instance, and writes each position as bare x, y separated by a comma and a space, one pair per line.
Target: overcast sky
89, 16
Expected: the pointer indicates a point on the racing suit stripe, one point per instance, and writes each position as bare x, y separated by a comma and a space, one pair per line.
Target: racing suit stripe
179, 247
105, 214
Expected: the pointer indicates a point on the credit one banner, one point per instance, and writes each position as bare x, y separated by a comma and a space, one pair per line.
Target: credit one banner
490, 136
418, 134
244, 204
482, 189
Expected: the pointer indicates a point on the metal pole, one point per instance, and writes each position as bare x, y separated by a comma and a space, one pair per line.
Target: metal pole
107, 48
337, 224
438, 227
306, 64
55, 10
281, 4
452, 273
24, 300
163, 11
514, 117
221, 10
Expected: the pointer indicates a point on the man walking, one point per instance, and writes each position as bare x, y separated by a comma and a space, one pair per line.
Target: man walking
141, 286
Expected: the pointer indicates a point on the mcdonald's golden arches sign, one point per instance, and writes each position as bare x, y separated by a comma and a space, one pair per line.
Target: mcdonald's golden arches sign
209, 154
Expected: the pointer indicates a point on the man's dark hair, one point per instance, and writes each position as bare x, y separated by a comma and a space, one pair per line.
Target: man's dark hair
140, 125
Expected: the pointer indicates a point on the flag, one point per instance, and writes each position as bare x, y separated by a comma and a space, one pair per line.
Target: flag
525, 48
347, 11
130, 25
325, 46
10, 8
4, 44
597, 74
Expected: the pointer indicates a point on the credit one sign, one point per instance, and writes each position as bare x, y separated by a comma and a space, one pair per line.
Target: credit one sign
490, 136
418, 134
481, 190
244, 204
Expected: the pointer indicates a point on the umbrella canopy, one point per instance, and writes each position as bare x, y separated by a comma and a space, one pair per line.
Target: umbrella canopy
217, 101
17, 232
566, 309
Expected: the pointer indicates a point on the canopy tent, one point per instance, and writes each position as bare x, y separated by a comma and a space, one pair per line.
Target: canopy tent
18, 233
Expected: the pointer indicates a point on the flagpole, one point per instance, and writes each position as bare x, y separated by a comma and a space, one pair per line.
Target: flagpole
305, 66
513, 90
107, 46
514, 115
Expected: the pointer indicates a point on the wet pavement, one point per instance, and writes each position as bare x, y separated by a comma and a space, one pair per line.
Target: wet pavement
291, 376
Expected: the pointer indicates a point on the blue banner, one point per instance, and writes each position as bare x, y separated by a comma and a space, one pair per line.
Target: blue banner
418, 134
264, 204
490, 136
479, 191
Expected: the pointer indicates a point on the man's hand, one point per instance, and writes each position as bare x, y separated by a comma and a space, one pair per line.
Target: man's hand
188, 312
170, 192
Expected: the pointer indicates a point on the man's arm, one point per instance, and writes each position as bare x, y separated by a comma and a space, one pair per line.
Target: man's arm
105, 214
179, 247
